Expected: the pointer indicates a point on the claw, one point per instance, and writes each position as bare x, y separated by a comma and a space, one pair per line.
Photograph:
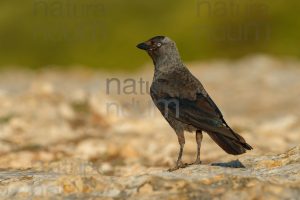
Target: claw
178, 166
197, 162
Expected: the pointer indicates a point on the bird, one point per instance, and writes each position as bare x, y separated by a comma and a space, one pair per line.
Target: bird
184, 103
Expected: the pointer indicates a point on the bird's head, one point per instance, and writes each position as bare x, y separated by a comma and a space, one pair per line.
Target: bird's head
159, 47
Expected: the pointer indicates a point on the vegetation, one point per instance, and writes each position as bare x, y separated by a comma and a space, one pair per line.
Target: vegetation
103, 33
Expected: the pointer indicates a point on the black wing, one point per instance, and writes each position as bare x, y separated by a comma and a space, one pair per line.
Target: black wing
201, 113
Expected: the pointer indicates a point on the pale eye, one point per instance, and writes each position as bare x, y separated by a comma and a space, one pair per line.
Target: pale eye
158, 44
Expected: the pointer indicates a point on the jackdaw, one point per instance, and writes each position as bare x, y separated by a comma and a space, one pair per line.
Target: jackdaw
183, 101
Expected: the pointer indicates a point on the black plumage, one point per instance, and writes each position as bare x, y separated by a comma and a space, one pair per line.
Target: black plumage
184, 102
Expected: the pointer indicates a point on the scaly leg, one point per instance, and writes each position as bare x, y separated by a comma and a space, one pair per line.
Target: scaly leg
199, 137
181, 140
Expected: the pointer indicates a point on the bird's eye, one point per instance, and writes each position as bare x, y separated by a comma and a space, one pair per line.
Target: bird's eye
158, 44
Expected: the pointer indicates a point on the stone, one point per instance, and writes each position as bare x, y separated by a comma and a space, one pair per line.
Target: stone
264, 177
58, 141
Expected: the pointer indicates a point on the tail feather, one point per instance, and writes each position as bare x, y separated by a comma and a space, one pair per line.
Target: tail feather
228, 144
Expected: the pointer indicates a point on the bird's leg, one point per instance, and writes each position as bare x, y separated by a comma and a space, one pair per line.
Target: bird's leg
181, 140
199, 137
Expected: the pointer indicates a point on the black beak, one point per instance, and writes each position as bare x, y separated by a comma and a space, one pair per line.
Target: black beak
143, 46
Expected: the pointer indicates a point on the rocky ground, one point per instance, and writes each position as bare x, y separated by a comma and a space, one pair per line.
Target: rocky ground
86, 134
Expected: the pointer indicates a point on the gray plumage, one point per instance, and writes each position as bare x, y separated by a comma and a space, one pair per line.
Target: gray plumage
184, 102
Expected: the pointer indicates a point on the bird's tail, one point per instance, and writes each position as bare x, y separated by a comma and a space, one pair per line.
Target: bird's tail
233, 145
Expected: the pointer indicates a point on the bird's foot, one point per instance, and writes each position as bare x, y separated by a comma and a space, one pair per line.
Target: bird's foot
178, 166
197, 162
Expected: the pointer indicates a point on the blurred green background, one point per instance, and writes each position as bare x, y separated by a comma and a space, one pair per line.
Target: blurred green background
103, 34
